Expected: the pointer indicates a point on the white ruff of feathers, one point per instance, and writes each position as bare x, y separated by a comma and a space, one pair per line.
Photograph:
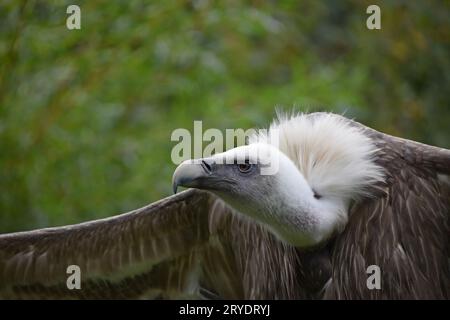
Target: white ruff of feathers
335, 158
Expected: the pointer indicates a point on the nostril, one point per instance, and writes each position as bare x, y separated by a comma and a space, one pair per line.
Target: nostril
206, 166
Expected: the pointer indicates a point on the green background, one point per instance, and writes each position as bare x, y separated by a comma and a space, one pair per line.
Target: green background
86, 115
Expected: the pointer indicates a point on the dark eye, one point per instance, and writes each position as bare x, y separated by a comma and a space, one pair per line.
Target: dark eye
244, 167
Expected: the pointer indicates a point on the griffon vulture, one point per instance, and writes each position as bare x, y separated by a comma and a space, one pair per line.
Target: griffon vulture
343, 197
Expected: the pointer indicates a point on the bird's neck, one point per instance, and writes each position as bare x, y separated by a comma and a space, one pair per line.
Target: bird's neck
303, 218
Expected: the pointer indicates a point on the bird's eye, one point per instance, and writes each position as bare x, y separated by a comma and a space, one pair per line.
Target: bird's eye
245, 167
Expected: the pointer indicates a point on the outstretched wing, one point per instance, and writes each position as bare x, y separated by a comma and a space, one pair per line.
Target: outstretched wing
404, 231
144, 253
188, 245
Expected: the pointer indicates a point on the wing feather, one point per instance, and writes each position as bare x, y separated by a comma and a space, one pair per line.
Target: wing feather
129, 251
178, 247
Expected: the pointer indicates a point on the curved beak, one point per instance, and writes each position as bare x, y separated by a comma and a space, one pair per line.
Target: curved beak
192, 174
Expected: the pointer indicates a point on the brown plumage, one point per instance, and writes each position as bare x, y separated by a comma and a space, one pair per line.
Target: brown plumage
404, 230
194, 244
151, 252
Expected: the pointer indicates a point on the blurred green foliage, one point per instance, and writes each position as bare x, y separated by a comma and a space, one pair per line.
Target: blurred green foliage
86, 115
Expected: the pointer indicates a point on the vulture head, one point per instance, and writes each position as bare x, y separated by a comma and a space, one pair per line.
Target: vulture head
297, 180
